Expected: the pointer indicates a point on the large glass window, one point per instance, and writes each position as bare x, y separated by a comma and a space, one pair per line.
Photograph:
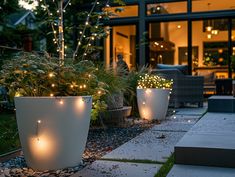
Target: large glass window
123, 42
167, 8
211, 5
168, 43
233, 50
211, 38
122, 11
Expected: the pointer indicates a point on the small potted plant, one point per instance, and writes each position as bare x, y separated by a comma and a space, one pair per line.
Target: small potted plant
153, 94
53, 107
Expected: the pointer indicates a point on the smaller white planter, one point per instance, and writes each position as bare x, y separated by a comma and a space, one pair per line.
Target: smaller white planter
53, 131
153, 103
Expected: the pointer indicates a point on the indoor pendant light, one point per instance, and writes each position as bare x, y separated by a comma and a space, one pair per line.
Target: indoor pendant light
209, 25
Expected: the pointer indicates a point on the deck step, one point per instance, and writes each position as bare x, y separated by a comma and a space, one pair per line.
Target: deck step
202, 171
210, 142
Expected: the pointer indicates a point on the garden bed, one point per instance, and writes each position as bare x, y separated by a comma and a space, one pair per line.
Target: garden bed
100, 141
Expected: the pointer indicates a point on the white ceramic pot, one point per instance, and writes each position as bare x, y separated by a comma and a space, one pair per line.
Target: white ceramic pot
153, 103
53, 130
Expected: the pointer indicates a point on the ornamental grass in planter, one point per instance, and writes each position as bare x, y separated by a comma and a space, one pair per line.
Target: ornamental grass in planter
53, 107
153, 94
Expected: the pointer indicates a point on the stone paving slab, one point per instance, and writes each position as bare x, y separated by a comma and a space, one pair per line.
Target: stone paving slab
216, 122
178, 126
150, 145
102, 168
191, 111
210, 142
200, 171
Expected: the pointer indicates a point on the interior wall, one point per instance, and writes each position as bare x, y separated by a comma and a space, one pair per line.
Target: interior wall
121, 42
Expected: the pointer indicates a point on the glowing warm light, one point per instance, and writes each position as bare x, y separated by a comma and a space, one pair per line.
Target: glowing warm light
51, 95
148, 91
84, 86
215, 32
162, 46
144, 103
52, 85
99, 92
51, 74
156, 43
39, 121
209, 28
61, 102
80, 86
179, 26
71, 86
209, 36
17, 94
42, 147
80, 104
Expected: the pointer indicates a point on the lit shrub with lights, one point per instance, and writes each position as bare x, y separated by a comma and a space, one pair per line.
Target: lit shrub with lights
153, 94
34, 75
154, 81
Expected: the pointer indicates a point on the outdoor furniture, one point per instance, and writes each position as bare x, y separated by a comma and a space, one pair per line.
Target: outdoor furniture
223, 86
186, 88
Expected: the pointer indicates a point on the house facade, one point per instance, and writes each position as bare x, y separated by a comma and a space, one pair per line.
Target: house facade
196, 33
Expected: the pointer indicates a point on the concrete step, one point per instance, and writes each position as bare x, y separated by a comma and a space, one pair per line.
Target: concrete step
221, 103
200, 171
210, 142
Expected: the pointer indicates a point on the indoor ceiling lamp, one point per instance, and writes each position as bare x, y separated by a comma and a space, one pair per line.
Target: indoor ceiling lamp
209, 25
209, 36
215, 31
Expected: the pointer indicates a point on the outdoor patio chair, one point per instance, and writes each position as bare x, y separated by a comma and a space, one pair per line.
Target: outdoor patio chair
186, 88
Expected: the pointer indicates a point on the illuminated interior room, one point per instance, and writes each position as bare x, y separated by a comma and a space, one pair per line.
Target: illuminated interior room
196, 33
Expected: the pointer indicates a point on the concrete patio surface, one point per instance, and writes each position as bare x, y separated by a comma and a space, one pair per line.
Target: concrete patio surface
102, 168
154, 145
210, 142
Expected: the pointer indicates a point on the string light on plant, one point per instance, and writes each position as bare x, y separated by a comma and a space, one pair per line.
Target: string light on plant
51, 95
37, 129
153, 81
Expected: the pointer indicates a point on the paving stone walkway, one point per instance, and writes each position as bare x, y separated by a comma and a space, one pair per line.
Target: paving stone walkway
153, 146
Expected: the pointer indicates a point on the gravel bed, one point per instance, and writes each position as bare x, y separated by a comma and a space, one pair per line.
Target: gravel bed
100, 141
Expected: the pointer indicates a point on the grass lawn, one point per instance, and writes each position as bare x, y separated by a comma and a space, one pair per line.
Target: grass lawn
9, 139
166, 167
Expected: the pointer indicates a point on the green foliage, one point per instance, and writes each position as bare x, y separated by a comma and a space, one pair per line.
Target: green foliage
7, 7
8, 133
32, 75
164, 170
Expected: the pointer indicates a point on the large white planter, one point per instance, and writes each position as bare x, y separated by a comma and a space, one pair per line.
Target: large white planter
53, 130
153, 103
